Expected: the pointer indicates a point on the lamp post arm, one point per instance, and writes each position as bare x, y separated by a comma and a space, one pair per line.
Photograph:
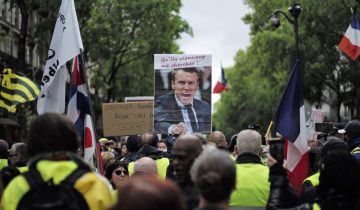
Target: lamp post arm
277, 12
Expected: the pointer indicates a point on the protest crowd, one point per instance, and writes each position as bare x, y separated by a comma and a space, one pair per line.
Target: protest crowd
189, 171
185, 164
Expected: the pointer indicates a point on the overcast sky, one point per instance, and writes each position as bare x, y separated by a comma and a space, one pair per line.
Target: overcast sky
217, 30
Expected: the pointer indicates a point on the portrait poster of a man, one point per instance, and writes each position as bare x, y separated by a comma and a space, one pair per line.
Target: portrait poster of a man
182, 103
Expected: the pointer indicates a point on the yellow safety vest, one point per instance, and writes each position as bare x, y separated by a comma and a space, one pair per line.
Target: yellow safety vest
161, 164
356, 150
313, 179
252, 185
3, 163
92, 186
316, 206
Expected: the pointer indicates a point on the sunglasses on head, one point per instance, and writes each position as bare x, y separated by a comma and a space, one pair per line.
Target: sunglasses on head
118, 172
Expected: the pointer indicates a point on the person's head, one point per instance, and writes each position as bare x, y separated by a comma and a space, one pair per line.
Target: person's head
232, 143
123, 150
184, 152
117, 173
162, 145
4, 149
51, 133
352, 131
18, 154
214, 174
149, 193
150, 139
217, 138
248, 141
103, 141
185, 82
201, 137
145, 166
333, 144
107, 158
339, 181
132, 143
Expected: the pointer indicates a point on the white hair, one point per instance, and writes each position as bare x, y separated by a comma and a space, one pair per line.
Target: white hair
249, 141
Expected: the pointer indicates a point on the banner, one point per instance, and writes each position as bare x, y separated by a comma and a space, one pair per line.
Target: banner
65, 44
182, 94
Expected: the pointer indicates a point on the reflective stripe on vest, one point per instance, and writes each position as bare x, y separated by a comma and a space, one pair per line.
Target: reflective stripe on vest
252, 185
356, 150
313, 179
161, 164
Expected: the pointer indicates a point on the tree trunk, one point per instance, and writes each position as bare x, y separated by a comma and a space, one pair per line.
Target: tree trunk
23, 33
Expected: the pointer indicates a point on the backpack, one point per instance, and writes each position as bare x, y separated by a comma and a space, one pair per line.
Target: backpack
45, 195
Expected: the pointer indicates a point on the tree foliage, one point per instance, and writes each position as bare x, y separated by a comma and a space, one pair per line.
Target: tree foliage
261, 72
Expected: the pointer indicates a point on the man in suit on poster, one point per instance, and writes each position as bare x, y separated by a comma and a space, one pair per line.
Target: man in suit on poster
178, 112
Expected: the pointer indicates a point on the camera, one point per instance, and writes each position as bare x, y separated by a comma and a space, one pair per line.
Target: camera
324, 127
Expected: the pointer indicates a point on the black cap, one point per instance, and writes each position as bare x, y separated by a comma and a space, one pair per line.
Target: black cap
352, 129
333, 144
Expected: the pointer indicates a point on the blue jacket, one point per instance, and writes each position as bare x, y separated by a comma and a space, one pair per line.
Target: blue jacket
167, 112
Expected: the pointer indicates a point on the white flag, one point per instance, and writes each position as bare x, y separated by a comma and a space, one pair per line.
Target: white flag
65, 44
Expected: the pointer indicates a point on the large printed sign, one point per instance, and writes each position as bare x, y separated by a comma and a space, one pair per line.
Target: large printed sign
182, 94
132, 118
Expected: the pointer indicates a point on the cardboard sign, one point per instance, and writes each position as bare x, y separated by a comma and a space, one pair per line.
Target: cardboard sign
132, 118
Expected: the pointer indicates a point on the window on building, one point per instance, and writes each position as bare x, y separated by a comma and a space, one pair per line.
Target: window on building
3, 9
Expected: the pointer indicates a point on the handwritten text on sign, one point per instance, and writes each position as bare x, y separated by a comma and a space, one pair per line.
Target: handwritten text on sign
172, 61
132, 118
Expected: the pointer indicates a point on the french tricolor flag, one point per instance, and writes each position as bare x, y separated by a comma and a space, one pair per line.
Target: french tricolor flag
221, 85
79, 109
291, 124
350, 43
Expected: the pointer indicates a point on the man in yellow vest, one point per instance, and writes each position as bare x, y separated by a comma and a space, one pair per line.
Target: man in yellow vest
149, 149
309, 189
252, 177
52, 147
18, 156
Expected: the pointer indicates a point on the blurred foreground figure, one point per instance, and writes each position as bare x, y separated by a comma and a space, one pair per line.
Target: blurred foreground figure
338, 187
149, 193
57, 177
185, 151
214, 174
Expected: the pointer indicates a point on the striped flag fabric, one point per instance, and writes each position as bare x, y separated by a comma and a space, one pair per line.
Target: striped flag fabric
15, 89
350, 43
291, 124
221, 84
79, 111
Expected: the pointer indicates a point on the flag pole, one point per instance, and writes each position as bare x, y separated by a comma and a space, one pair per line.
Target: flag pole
268, 131
99, 164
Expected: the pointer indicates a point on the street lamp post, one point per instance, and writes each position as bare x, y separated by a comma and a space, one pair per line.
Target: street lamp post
294, 11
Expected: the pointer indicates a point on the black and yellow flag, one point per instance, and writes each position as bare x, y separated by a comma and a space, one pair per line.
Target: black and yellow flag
15, 90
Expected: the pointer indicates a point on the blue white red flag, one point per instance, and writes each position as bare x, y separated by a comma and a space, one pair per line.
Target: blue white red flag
79, 111
350, 43
291, 124
221, 84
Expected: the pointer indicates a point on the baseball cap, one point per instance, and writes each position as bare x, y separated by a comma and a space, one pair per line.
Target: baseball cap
352, 129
